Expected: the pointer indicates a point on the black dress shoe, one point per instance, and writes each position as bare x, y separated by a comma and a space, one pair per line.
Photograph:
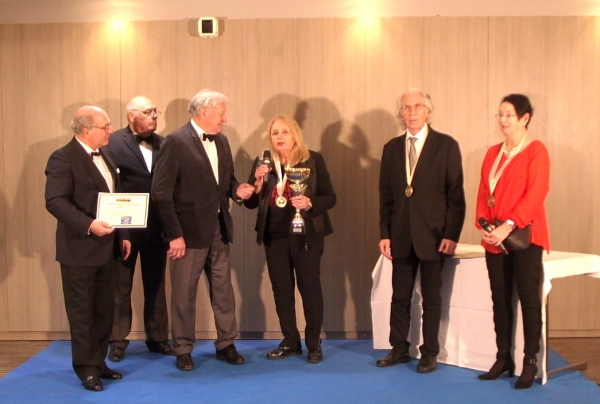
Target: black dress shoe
284, 352
185, 362
116, 354
394, 357
162, 348
110, 374
92, 383
315, 355
231, 355
427, 364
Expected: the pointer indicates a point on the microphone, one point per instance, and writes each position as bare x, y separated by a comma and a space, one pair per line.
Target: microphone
266, 159
486, 226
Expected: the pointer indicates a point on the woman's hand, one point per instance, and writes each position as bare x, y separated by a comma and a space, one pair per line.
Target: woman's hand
498, 235
260, 173
301, 202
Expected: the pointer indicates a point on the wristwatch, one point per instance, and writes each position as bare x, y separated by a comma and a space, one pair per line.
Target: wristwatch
510, 223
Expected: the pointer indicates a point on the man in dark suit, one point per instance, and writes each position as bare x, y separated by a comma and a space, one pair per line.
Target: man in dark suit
193, 181
134, 149
86, 247
422, 210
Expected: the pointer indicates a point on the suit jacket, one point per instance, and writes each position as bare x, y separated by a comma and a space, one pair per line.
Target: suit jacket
185, 191
318, 189
72, 185
435, 210
135, 176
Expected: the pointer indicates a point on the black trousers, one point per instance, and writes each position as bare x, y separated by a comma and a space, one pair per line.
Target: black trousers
403, 282
153, 257
89, 294
290, 259
526, 268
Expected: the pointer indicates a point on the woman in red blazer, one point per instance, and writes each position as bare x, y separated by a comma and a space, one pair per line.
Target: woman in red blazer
515, 180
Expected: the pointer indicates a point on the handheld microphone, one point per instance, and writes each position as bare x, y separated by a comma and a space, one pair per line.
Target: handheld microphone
486, 226
266, 159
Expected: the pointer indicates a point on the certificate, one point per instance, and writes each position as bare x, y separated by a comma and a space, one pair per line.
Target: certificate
123, 210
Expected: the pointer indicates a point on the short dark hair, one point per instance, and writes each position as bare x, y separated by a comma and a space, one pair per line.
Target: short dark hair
522, 105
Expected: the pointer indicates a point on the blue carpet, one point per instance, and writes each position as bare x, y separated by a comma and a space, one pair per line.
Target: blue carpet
348, 375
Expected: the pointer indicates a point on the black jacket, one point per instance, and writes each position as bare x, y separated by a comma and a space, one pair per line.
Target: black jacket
319, 190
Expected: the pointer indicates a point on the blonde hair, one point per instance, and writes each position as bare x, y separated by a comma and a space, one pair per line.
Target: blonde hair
299, 153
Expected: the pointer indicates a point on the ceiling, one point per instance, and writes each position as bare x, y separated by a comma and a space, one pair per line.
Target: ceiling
53, 11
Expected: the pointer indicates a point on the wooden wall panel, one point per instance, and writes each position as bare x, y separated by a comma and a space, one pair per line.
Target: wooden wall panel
340, 78
310, 70
52, 70
3, 246
447, 57
554, 61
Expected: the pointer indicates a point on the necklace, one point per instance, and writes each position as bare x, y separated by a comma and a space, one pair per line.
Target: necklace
513, 150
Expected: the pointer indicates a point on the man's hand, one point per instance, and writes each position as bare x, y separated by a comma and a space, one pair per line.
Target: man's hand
125, 249
101, 228
447, 247
385, 249
244, 191
176, 249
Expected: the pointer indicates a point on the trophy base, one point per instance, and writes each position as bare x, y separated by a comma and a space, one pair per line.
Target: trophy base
294, 230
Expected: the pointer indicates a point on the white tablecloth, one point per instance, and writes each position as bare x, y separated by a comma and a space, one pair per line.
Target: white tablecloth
467, 337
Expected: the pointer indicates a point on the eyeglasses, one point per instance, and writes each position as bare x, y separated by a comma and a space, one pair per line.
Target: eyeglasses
410, 108
105, 128
505, 116
149, 112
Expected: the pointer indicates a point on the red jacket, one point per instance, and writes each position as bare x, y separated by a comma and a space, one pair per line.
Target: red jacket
520, 192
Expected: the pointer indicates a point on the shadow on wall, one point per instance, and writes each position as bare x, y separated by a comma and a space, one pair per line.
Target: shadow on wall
29, 213
353, 247
256, 279
351, 251
175, 115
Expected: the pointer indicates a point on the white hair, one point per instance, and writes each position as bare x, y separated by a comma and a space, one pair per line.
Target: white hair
205, 99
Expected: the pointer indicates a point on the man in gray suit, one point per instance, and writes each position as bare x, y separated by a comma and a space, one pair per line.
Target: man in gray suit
422, 210
193, 181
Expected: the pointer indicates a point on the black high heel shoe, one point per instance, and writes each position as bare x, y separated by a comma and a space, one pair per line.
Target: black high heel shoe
528, 373
502, 364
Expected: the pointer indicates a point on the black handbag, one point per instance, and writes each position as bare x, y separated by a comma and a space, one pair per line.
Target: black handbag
518, 239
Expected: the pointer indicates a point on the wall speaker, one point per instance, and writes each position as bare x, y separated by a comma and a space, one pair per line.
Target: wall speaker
208, 27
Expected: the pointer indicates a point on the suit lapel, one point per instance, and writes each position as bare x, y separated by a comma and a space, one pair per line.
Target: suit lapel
114, 170
89, 165
427, 153
222, 156
200, 147
131, 143
156, 141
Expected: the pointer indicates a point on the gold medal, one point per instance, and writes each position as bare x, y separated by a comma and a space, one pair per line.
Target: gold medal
408, 191
491, 201
281, 201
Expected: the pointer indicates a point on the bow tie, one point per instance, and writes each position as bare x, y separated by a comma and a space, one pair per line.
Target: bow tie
210, 138
94, 154
147, 139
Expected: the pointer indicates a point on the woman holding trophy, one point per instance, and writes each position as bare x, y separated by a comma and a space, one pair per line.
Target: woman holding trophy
293, 192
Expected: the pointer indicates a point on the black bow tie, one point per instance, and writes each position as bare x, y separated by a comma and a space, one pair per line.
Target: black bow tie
147, 139
211, 138
95, 153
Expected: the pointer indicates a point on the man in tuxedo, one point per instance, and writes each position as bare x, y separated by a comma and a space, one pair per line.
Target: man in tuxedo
134, 149
86, 247
193, 181
422, 210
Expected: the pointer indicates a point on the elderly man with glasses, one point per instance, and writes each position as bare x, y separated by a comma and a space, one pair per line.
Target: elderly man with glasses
134, 150
85, 246
422, 210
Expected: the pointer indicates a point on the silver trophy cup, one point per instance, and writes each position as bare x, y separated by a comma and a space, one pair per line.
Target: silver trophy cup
297, 176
